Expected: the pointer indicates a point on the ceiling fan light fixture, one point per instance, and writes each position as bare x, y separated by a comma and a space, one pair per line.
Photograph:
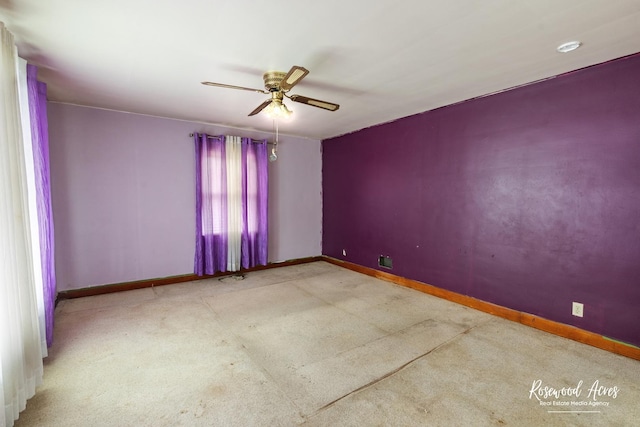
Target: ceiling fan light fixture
277, 84
277, 110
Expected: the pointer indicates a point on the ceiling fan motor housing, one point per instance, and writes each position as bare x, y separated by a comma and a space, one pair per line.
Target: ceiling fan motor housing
272, 80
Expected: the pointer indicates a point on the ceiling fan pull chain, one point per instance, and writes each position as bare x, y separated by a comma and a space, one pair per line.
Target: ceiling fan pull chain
274, 156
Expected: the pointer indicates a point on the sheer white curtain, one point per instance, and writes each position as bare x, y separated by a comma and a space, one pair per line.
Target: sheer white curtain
234, 201
20, 347
31, 197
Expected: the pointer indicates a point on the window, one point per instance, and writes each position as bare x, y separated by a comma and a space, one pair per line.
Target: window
231, 203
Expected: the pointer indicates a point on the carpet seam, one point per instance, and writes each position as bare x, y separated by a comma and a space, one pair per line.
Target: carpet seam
398, 369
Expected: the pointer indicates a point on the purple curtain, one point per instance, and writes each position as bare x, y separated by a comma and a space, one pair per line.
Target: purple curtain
212, 237
255, 166
37, 92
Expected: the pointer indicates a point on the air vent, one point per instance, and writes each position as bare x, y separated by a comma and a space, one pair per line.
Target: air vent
385, 262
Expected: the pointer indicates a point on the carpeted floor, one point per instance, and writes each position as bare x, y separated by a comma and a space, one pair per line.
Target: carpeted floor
316, 345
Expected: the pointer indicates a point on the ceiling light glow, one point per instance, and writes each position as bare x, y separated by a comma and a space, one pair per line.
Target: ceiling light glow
277, 110
569, 46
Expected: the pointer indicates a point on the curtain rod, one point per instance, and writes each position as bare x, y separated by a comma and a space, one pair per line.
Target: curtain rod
255, 141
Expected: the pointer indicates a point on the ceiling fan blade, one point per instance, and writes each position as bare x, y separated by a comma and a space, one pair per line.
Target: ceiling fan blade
234, 87
293, 77
315, 102
260, 107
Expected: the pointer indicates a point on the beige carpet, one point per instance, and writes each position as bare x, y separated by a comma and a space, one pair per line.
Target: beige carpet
315, 345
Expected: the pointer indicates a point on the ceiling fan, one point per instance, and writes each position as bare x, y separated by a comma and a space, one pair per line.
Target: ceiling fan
277, 84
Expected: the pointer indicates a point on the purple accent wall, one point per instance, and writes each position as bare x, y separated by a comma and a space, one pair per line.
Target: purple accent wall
529, 198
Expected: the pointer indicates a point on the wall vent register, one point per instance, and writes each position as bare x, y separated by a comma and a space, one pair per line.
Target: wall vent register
385, 262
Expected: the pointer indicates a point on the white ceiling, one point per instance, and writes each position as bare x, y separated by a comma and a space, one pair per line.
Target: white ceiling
380, 60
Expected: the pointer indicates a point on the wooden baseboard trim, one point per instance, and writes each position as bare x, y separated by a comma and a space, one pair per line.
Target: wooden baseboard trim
148, 283
556, 328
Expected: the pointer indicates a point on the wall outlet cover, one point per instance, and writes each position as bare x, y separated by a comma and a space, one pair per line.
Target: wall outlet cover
577, 309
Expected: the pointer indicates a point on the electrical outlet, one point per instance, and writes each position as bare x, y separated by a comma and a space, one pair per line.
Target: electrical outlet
577, 309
